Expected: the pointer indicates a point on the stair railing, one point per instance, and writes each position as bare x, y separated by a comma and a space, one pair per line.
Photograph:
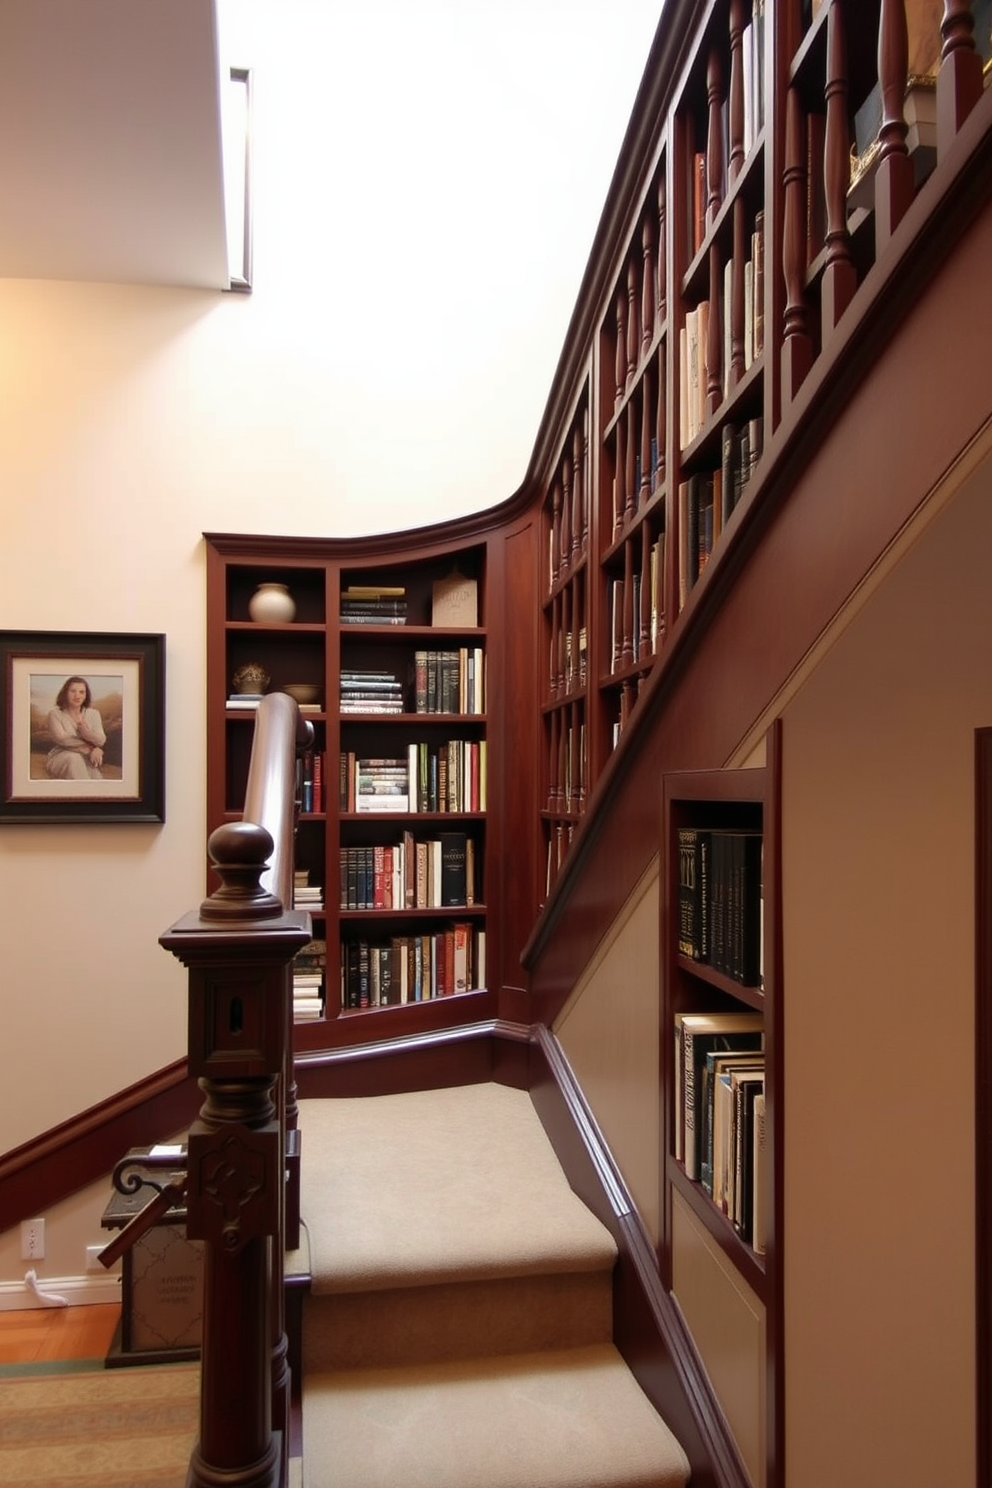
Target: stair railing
238, 947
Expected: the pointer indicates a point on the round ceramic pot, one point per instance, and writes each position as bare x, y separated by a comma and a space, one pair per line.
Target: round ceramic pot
272, 604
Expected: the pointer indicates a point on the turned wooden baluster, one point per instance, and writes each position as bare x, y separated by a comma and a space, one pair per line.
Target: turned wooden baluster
619, 485
563, 780
648, 282
573, 760
620, 358
959, 81
894, 177
661, 299
840, 278
736, 106
797, 349
627, 639
660, 415
578, 496
714, 138
633, 323
566, 514
646, 441
630, 474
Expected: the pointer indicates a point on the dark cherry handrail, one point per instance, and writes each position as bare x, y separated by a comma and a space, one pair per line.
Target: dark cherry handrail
238, 947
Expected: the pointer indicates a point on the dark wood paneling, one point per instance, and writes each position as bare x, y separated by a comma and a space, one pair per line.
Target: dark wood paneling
801, 545
60, 1162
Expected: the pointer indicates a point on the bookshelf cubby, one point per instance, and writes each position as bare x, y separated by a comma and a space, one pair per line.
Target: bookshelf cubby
721, 997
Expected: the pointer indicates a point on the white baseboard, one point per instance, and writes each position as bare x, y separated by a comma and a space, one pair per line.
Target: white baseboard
74, 1291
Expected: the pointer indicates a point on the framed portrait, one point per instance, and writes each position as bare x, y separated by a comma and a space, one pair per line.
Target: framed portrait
82, 727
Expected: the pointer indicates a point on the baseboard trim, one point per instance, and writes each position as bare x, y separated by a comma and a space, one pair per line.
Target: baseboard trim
648, 1328
77, 1291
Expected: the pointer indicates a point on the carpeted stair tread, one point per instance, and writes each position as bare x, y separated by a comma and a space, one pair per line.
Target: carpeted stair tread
438, 1186
568, 1419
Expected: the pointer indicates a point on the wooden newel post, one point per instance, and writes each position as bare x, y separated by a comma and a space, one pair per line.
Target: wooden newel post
238, 948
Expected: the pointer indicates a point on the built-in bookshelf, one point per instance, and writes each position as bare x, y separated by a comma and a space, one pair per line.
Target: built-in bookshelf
633, 466
566, 619
720, 1059
388, 660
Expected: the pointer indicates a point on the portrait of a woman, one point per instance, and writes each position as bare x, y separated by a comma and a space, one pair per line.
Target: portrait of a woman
77, 734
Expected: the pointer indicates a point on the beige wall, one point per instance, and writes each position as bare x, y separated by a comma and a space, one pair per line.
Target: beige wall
878, 860
388, 370
609, 1031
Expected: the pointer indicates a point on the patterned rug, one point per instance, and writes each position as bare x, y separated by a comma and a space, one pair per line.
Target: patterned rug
112, 1428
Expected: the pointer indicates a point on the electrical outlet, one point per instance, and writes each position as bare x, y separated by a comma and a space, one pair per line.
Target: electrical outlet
32, 1240
93, 1262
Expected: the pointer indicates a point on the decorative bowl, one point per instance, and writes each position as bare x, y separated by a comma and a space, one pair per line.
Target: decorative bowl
303, 692
251, 678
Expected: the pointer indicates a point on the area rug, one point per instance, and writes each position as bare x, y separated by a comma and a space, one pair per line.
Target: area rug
109, 1428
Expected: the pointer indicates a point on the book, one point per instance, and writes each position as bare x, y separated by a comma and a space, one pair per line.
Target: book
701, 1034
761, 1183
454, 868
455, 601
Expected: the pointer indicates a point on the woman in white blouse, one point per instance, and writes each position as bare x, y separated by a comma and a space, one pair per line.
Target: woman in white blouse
77, 733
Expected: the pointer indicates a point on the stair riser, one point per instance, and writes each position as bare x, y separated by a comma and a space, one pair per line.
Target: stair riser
460, 1320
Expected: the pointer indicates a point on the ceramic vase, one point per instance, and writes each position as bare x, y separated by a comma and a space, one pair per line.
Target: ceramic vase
272, 604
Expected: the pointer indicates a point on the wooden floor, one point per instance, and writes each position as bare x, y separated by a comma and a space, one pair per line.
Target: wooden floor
57, 1333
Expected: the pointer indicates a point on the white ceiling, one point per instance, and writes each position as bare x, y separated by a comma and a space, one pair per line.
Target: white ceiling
110, 145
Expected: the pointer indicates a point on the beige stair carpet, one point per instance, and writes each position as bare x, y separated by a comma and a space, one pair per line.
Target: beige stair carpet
458, 1331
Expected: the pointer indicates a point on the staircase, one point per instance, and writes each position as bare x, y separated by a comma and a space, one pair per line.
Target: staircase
458, 1329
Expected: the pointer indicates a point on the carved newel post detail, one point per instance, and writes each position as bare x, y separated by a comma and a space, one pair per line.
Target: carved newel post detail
238, 948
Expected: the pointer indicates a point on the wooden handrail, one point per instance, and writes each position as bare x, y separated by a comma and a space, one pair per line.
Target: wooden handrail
239, 946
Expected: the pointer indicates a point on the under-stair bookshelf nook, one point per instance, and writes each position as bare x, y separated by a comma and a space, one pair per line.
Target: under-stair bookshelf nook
722, 1076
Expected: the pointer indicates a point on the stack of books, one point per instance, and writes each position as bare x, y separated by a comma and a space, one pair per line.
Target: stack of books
373, 604
376, 783
305, 894
371, 692
244, 700
308, 981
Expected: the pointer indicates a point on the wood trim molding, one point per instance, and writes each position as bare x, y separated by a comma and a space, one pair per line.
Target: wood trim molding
58, 1163
983, 1098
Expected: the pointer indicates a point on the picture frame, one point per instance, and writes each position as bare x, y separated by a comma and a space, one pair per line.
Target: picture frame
82, 727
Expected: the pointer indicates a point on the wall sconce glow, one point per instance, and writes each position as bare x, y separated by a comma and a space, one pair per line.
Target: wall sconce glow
236, 132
